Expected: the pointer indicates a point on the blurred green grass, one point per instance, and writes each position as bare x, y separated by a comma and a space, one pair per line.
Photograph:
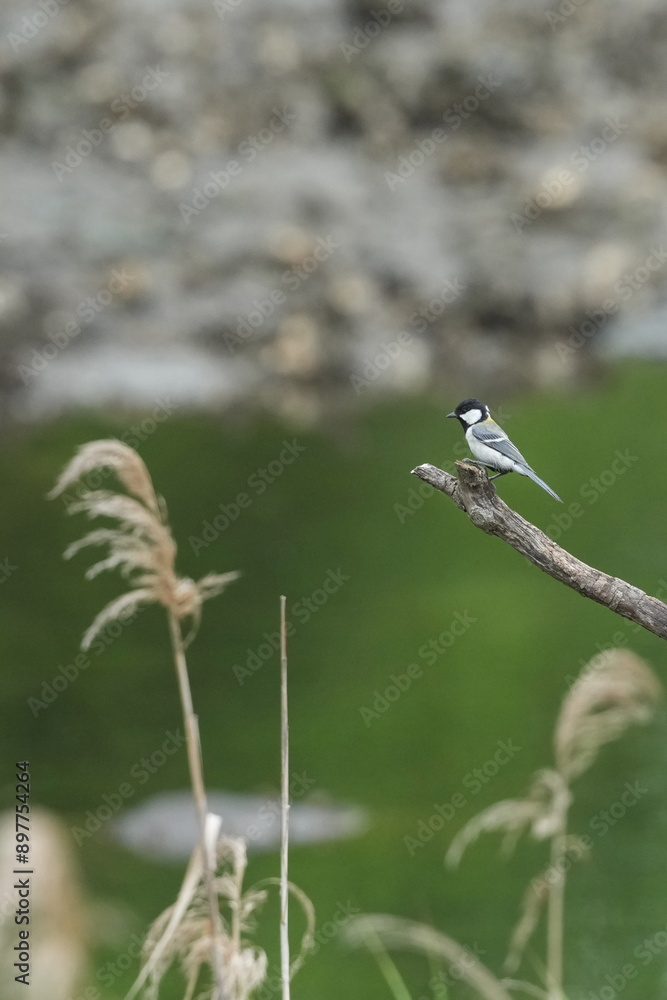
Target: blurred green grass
335, 509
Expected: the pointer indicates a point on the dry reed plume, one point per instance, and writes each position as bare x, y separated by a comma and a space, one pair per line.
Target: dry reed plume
183, 932
193, 932
141, 546
614, 691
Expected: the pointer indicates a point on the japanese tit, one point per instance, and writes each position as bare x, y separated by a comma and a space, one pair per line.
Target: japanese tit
490, 445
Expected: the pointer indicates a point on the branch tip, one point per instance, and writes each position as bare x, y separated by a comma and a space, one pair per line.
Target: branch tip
476, 496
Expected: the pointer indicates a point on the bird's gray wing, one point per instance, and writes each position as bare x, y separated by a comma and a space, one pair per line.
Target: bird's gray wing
490, 433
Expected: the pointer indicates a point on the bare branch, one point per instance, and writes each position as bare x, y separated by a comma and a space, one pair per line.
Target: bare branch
473, 493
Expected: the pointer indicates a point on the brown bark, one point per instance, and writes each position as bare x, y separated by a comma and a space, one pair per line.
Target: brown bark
476, 496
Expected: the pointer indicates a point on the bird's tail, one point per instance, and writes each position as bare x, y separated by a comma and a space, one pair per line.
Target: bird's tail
526, 470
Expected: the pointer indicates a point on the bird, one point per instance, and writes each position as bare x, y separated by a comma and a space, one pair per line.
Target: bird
490, 444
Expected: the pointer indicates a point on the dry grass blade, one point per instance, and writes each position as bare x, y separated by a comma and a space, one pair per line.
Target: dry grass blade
183, 932
142, 546
532, 904
308, 936
143, 549
394, 932
130, 512
163, 929
542, 812
529, 989
616, 690
550, 790
512, 816
118, 609
213, 584
534, 900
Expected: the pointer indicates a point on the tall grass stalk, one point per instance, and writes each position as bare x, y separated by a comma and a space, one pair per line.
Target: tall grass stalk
284, 809
614, 691
556, 916
192, 931
143, 549
387, 967
196, 767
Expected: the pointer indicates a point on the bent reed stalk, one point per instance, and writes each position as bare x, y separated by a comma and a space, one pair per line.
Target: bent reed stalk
196, 767
143, 549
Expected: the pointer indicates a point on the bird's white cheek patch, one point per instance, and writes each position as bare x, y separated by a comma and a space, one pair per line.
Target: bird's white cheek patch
472, 416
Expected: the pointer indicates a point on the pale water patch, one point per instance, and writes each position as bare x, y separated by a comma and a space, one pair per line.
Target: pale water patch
165, 826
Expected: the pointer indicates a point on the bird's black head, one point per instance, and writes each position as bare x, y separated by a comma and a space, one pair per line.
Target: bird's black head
470, 412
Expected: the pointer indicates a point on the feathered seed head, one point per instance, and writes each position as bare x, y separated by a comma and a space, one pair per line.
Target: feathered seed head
184, 934
380, 932
615, 690
536, 896
542, 813
141, 547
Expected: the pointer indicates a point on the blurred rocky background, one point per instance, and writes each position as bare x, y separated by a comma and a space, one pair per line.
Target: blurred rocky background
282, 214
291, 203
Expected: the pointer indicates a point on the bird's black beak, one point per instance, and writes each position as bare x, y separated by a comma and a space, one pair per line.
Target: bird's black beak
451, 414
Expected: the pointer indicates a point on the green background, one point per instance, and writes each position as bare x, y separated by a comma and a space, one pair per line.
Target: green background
335, 508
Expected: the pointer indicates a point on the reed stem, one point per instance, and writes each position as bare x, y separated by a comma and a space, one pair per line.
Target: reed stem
284, 808
196, 768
